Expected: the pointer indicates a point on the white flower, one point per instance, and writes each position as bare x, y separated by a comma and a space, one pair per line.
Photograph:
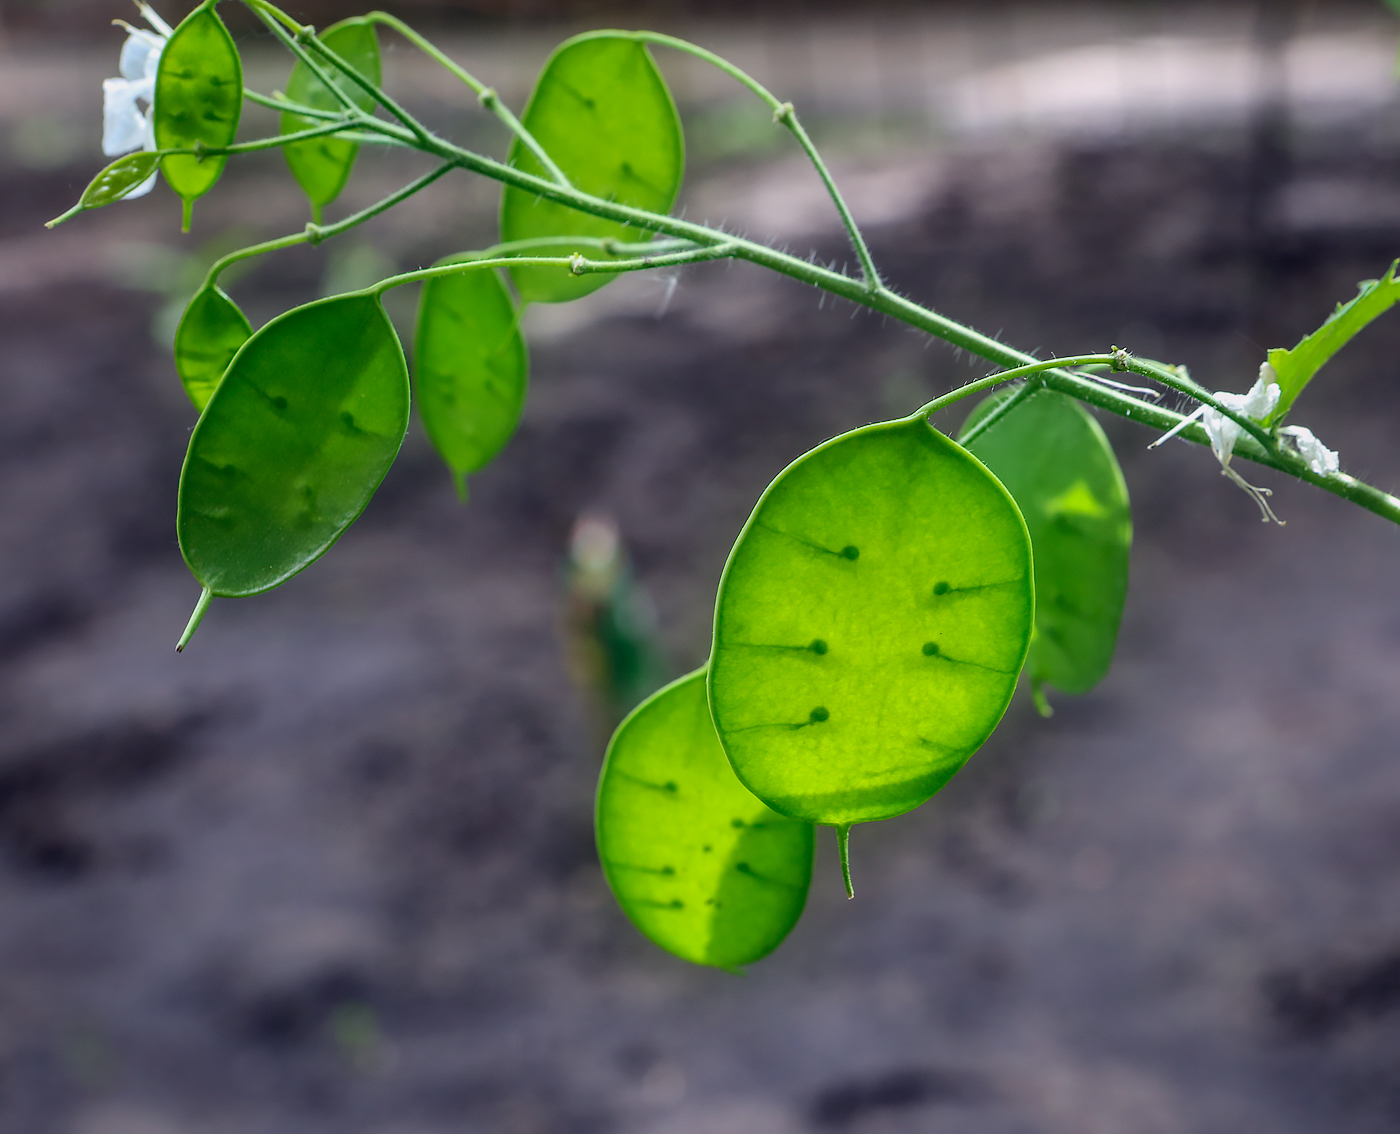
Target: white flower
1318, 456
125, 125
1224, 432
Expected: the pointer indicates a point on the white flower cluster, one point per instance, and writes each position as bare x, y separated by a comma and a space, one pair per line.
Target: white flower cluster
126, 126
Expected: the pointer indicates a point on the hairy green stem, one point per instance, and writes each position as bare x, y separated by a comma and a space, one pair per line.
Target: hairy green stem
576, 264
999, 411
315, 233
1007, 376
782, 112
278, 101
274, 19
485, 95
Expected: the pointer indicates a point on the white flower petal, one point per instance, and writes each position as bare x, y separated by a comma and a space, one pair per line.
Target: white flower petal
124, 126
140, 54
1319, 457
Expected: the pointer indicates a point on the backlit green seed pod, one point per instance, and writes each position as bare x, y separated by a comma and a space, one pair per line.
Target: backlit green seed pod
870, 625
1057, 464
322, 165
292, 444
470, 368
602, 112
699, 864
198, 100
209, 335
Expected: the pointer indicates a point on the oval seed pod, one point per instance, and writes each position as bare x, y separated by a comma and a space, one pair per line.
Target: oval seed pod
470, 367
293, 443
603, 113
1057, 464
699, 864
870, 625
322, 165
113, 183
198, 100
209, 335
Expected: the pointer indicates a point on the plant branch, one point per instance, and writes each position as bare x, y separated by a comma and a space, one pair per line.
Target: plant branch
1008, 376
278, 101
274, 18
999, 411
485, 95
783, 112
1258, 446
315, 233
576, 263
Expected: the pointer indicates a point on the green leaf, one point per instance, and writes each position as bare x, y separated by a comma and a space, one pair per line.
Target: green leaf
1057, 464
1296, 367
322, 165
870, 626
210, 333
471, 367
292, 444
604, 115
1393, 5
700, 866
198, 100
113, 183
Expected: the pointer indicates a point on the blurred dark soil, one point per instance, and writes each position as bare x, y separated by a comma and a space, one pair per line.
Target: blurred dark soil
332, 869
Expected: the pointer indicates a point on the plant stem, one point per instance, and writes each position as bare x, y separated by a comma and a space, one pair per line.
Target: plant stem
274, 18
265, 143
783, 112
999, 411
485, 95
286, 105
315, 233
575, 263
1007, 376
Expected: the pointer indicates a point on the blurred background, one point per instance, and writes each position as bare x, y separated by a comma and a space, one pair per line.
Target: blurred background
332, 869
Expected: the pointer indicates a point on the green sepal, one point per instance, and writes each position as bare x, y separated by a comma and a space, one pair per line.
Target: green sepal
1054, 459
699, 864
471, 367
209, 335
603, 113
321, 166
1295, 368
113, 183
198, 101
870, 626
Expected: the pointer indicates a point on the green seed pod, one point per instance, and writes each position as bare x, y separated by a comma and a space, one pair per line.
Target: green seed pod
870, 625
198, 100
470, 367
1060, 469
292, 444
209, 335
113, 183
322, 165
603, 113
700, 866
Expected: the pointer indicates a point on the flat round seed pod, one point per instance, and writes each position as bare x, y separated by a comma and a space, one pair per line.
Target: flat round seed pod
322, 165
198, 99
1058, 465
870, 625
700, 866
293, 443
470, 367
209, 335
603, 113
